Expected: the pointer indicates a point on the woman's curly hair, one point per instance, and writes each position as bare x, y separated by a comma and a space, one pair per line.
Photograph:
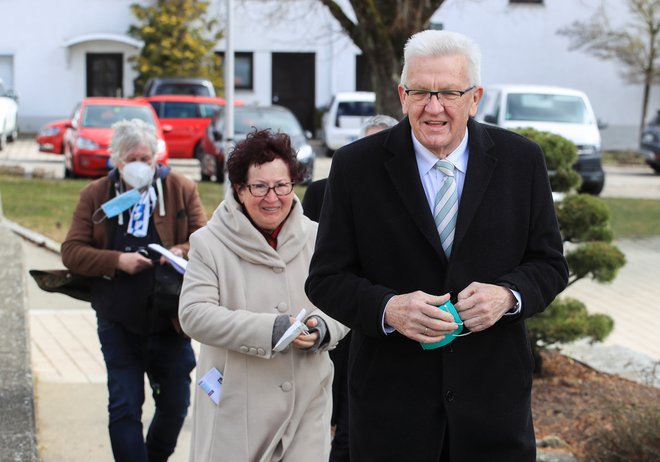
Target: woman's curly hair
261, 147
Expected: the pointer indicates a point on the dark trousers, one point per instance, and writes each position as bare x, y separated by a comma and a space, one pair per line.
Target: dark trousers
339, 450
167, 360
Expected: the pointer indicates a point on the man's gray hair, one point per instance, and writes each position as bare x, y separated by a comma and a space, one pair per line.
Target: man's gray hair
442, 43
379, 121
127, 134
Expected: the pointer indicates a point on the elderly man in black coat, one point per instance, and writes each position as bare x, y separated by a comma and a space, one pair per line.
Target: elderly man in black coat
439, 207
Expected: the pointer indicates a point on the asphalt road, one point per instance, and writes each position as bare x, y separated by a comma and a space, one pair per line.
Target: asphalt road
25, 154
620, 181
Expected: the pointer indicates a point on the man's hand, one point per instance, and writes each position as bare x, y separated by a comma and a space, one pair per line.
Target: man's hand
416, 315
133, 262
482, 305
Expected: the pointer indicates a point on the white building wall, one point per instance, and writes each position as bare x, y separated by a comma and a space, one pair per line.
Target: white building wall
48, 80
520, 44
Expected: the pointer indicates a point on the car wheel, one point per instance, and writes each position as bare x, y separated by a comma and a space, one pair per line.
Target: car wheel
69, 172
204, 171
3, 138
219, 171
13, 136
656, 169
592, 188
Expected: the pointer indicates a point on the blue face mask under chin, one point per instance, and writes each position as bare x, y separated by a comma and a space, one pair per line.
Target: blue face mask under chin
117, 205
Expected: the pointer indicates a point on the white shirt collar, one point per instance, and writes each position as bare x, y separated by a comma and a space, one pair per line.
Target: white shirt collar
426, 159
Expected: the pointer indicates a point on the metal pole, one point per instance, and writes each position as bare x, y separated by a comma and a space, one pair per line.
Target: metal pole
228, 135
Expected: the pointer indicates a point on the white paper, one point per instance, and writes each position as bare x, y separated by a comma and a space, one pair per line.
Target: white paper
211, 383
177, 262
292, 332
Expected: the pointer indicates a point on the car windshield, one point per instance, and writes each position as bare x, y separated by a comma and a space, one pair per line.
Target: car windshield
542, 107
103, 116
247, 119
356, 108
182, 89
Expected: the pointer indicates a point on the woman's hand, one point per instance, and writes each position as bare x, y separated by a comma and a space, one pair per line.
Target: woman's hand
306, 341
133, 262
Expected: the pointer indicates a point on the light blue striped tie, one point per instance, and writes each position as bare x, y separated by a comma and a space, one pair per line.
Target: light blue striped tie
445, 210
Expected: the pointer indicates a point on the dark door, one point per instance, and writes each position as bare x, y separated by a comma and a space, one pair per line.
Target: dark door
105, 74
294, 81
362, 74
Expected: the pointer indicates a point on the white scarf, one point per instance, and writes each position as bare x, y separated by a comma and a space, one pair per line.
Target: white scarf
138, 224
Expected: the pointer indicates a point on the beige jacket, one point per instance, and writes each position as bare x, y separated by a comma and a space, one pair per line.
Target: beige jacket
273, 406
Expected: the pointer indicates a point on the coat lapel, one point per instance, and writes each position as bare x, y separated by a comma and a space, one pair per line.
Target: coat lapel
404, 174
479, 172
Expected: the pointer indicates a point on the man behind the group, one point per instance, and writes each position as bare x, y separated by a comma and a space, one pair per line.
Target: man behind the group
400, 231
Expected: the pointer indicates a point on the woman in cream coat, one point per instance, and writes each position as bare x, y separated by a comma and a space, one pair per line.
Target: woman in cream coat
242, 287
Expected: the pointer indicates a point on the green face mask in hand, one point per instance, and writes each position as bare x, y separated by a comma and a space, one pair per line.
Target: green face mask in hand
448, 307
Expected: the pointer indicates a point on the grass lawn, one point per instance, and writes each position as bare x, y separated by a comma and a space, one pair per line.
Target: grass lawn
46, 205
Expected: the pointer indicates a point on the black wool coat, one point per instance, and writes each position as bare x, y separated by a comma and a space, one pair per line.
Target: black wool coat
377, 238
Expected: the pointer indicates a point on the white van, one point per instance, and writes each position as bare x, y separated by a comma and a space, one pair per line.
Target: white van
562, 111
346, 113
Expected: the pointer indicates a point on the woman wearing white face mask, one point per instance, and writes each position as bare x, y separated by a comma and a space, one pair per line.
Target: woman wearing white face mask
107, 239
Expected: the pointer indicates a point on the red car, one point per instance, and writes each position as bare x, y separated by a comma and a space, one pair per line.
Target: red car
87, 139
189, 116
51, 136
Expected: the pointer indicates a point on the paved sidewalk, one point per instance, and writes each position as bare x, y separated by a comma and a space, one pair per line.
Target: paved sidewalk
70, 379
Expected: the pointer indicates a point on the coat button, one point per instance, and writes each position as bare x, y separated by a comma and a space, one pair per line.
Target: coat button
286, 386
253, 350
449, 396
278, 270
261, 351
282, 307
244, 349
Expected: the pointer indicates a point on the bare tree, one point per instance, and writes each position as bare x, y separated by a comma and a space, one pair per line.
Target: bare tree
635, 46
381, 31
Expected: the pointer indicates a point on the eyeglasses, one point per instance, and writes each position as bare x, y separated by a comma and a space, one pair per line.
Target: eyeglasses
261, 189
445, 97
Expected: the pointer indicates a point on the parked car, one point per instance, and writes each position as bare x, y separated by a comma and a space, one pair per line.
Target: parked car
346, 113
650, 144
188, 116
8, 115
179, 86
565, 112
51, 136
87, 139
246, 119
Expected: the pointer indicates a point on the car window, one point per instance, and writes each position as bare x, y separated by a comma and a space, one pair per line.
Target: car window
542, 107
182, 89
208, 109
247, 119
180, 110
103, 116
356, 108
158, 107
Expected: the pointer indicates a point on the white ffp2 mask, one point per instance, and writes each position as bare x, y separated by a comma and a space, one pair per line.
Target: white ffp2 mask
138, 174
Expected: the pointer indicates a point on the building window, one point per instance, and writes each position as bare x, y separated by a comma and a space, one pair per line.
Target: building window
243, 70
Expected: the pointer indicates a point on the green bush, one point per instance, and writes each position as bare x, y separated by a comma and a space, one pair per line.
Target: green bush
583, 217
584, 222
566, 320
560, 155
599, 260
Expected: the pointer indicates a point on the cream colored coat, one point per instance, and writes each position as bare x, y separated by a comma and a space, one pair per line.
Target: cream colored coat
273, 406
